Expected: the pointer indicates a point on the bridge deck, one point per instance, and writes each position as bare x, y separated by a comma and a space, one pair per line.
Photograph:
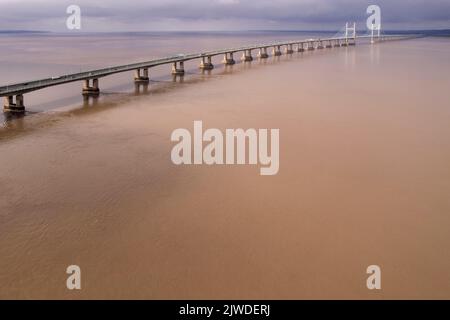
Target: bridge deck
24, 87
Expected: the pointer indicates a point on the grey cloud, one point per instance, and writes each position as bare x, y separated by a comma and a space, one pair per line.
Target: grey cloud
281, 12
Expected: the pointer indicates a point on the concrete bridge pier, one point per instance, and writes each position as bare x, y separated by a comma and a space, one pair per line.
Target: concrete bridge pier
277, 51
247, 56
178, 69
141, 77
206, 63
300, 47
17, 106
91, 90
263, 53
289, 49
228, 59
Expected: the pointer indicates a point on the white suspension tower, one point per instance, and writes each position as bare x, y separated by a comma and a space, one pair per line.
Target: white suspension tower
349, 29
378, 29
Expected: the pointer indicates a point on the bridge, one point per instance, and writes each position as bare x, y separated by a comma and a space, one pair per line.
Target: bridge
14, 94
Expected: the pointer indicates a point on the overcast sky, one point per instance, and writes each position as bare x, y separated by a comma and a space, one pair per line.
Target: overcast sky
155, 15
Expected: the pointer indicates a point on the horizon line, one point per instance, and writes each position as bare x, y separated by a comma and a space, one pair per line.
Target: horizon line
206, 31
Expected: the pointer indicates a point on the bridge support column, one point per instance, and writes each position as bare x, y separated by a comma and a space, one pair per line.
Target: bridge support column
141, 77
289, 49
228, 59
311, 46
206, 63
91, 90
247, 56
276, 51
263, 53
178, 70
300, 47
320, 45
9, 102
11, 106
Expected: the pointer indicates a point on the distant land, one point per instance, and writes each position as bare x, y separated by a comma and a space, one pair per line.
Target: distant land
434, 33
21, 31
